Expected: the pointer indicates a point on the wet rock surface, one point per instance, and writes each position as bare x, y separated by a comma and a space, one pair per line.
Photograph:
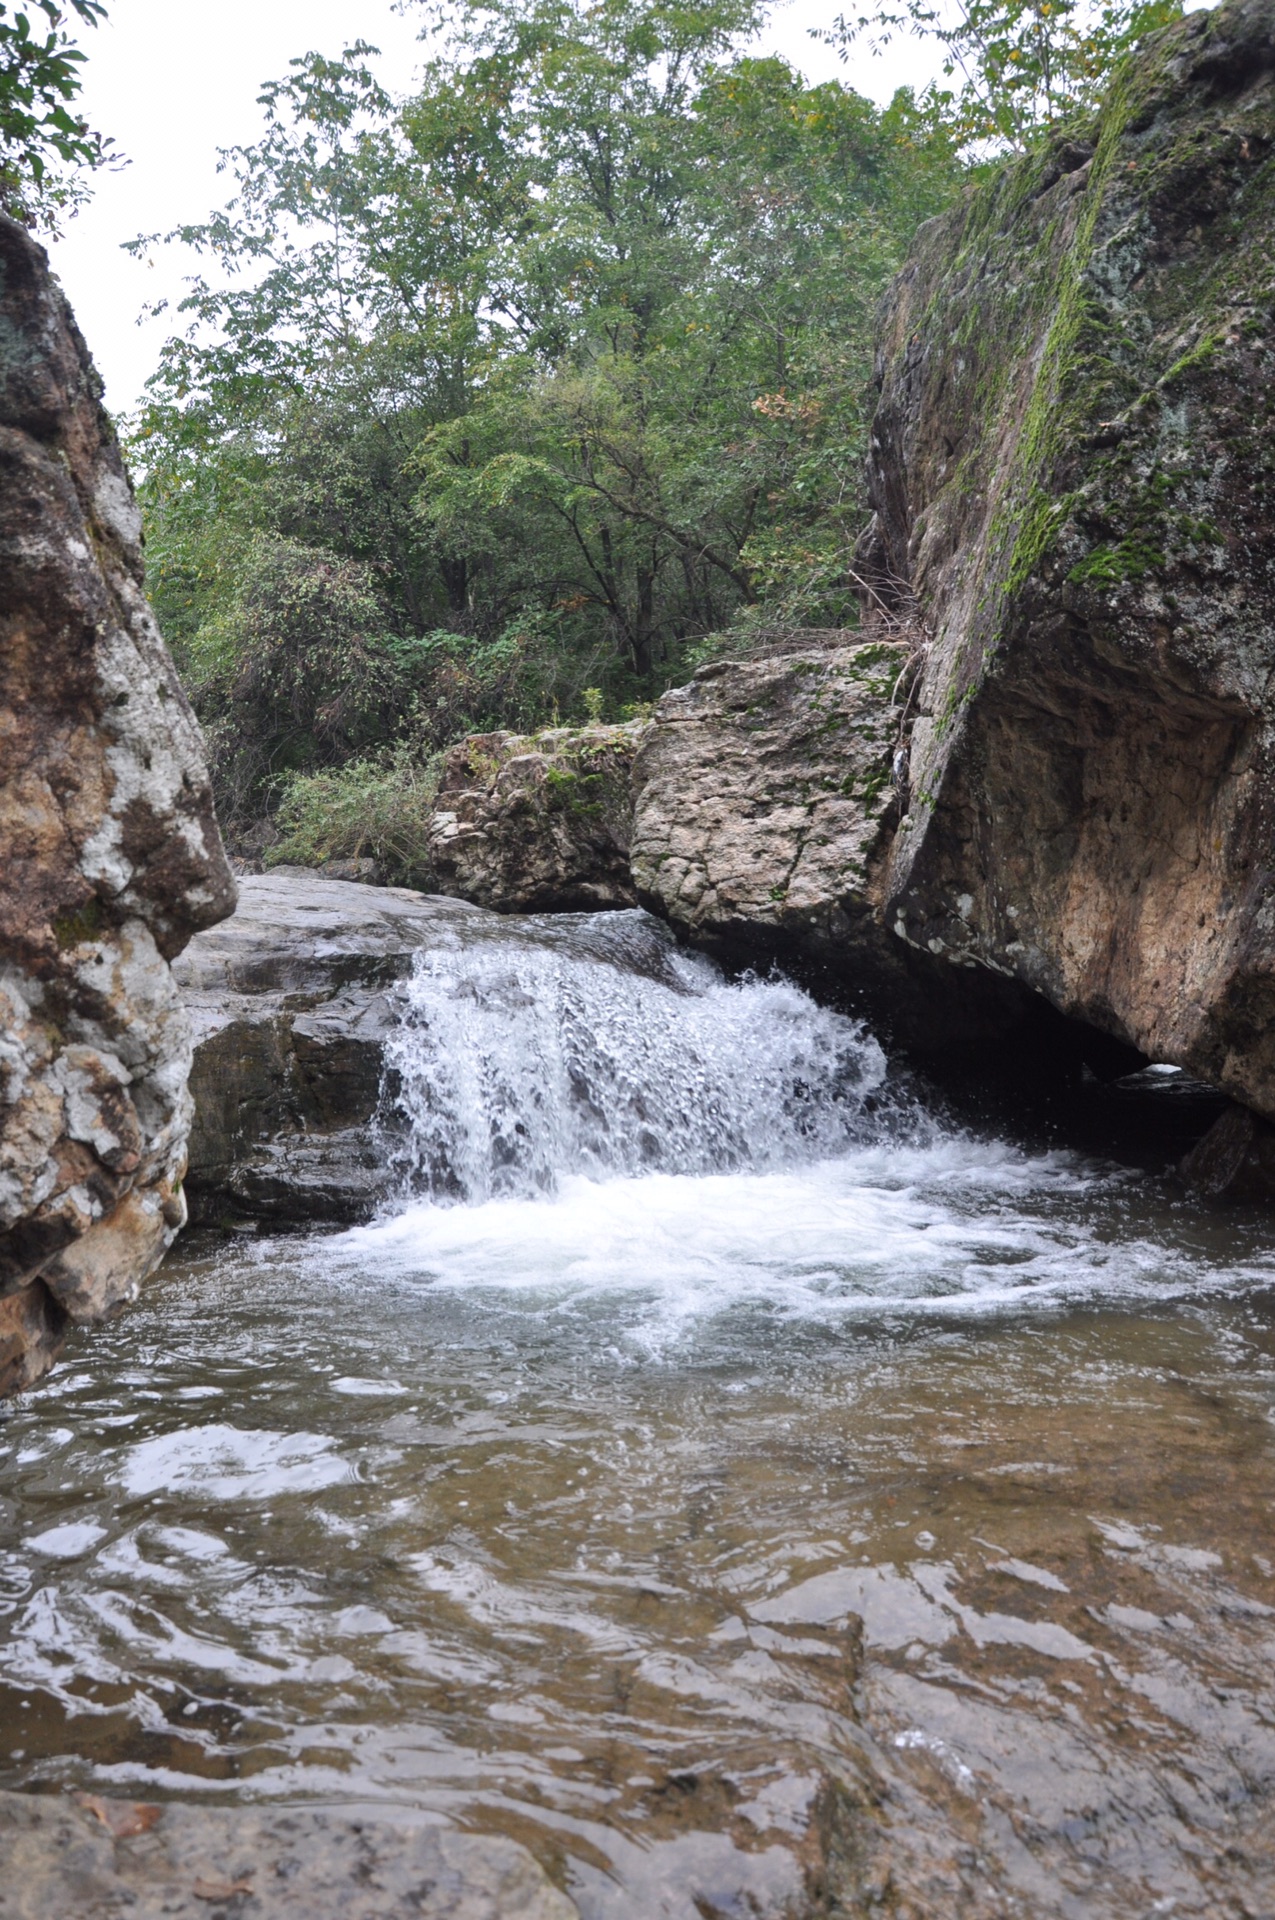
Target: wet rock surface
289, 1006
1233, 1164
537, 824
101, 1859
1071, 475
109, 851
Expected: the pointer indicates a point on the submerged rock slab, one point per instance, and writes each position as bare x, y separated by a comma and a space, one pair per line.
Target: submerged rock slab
109, 853
289, 1006
100, 1859
537, 824
1233, 1164
1075, 505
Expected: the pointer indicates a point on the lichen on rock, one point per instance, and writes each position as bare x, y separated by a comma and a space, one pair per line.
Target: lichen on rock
764, 796
537, 823
109, 851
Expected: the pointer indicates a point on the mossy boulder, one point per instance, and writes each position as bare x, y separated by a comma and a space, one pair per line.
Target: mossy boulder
537, 823
1073, 474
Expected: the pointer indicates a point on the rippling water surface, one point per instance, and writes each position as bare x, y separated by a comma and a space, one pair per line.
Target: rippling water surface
757, 1496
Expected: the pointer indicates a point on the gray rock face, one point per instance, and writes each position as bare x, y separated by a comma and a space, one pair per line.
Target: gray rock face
103, 1859
109, 853
1072, 477
762, 798
538, 824
288, 1003
764, 806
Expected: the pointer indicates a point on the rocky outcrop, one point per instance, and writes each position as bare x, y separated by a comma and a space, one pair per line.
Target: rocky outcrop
764, 806
109, 854
98, 1858
537, 824
1075, 507
290, 1004
763, 798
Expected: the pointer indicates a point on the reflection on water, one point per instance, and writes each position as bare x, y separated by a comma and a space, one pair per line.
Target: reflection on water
867, 1519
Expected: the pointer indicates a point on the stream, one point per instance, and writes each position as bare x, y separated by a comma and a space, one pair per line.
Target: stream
721, 1470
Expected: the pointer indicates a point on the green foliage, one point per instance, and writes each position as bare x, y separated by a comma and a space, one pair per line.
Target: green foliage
296, 666
43, 143
1018, 67
506, 402
376, 808
563, 352
300, 665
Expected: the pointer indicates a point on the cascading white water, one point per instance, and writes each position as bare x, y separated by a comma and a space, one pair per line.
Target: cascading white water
595, 1047
638, 1141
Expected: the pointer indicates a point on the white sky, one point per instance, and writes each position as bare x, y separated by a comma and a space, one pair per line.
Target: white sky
173, 80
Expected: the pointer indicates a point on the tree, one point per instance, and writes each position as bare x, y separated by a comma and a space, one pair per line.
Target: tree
1021, 67
567, 354
44, 145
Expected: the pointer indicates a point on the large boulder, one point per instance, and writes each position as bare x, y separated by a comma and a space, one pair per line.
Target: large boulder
109, 853
539, 823
1072, 474
763, 798
764, 808
290, 1003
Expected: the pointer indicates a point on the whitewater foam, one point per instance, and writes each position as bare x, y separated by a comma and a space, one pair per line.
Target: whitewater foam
597, 1126
594, 1047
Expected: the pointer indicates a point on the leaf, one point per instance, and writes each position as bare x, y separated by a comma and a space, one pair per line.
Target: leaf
122, 1818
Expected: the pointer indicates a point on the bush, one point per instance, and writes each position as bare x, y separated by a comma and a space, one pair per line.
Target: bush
375, 809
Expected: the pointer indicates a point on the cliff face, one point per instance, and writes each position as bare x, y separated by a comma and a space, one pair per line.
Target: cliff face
1073, 472
109, 852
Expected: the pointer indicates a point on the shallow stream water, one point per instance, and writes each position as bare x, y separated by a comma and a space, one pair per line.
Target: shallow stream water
757, 1494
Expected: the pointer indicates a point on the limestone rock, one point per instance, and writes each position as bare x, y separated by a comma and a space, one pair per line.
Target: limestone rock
764, 798
109, 851
100, 1858
1075, 503
537, 824
289, 1005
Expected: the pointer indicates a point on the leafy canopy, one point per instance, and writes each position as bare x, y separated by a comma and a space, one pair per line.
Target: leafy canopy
1019, 67
506, 401
44, 144
566, 355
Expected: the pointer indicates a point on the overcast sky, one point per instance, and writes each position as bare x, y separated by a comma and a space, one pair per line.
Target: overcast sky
172, 81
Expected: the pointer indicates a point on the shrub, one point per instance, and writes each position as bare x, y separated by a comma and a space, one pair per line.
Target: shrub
372, 808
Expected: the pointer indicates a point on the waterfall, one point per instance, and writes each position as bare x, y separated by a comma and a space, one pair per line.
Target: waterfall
589, 1044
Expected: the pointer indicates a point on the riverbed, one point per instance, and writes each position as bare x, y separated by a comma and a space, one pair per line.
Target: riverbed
719, 1469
